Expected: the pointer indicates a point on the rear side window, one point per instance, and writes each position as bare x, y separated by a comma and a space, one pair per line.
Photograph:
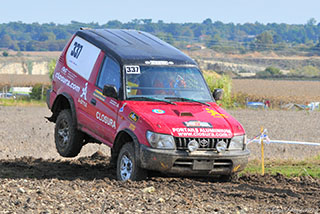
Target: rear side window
81, 56
109, 74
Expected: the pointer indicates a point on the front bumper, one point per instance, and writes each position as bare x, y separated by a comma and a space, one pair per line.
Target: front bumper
195, 163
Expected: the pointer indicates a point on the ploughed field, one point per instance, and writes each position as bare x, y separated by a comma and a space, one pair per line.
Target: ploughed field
34, 179
278, 91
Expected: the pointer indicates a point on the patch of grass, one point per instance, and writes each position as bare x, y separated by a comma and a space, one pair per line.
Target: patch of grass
19, 102
223, 82
288, 168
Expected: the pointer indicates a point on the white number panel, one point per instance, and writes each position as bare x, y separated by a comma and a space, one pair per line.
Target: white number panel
81, 56
132, 69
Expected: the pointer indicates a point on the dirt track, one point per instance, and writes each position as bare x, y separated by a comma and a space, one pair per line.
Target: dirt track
45, 183
88, 185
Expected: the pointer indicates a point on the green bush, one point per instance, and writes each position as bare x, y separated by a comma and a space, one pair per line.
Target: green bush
224, 82
38, 92
51, 66
306, 71
5, 53
269, 72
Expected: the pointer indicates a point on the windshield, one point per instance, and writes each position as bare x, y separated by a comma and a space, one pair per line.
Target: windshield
167, 83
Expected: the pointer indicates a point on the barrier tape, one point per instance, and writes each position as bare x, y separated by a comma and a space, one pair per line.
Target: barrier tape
285, 142
264, 137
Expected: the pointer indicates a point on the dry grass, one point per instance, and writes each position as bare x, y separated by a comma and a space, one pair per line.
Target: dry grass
49, 54
278, 91
23, 80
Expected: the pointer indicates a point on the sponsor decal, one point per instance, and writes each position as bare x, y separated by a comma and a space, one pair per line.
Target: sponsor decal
202, 132
132, 69
195, 123
84, 92
82, 102
133, 116
98, 94
215, 114
67, 82
122, 108
66, 71
114, 103
132, 127
158, 111
106, 120
154, 62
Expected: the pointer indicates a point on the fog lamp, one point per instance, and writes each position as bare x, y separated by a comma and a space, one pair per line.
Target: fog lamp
221, 146
193, 145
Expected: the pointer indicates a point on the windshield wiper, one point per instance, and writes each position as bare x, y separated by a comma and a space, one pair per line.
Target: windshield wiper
150, 99
186, 99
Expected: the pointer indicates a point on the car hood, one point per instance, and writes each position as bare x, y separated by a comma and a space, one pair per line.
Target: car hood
188, 119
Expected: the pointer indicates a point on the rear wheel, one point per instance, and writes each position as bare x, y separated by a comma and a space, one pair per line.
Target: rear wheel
127, 167
68, 139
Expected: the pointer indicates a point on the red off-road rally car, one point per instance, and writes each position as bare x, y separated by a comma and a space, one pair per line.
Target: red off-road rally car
146, 100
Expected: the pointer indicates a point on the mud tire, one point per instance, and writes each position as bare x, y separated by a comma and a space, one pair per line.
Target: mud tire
68, 139
127, 167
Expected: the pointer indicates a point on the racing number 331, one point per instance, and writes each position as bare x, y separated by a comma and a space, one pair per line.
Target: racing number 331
76, 50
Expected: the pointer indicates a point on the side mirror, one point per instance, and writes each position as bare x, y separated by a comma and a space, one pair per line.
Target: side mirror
110, 91
217, 94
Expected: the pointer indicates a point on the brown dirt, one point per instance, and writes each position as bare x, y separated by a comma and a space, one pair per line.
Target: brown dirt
88, 185
46, 183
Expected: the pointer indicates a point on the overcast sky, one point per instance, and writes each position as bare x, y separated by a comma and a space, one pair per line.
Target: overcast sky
179, 11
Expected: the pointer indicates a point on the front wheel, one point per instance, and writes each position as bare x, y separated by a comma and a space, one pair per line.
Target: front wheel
127, 167
229, 177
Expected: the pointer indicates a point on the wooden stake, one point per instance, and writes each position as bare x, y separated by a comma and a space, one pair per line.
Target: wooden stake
262, 153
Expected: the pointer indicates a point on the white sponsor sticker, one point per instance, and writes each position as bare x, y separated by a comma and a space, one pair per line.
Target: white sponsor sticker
82, 102
106, 120
114, 103
195, 123
202, 132
132, 69
84, 92
82, 56
67, 82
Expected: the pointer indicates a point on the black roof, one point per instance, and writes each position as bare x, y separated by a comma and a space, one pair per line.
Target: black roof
134, 47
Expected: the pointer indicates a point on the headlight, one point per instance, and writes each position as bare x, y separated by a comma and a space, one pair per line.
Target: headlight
160, 141
237, 143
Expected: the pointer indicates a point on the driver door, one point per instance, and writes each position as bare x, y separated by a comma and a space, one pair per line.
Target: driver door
106, 107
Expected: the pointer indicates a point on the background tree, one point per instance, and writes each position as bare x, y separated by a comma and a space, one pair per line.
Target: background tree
264, 41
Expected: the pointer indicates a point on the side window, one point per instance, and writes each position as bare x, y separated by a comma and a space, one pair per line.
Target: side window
109, 74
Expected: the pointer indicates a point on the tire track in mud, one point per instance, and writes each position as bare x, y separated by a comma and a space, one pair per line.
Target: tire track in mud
89, 185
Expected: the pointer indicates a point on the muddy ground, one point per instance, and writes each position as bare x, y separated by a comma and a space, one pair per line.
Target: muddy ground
46, 183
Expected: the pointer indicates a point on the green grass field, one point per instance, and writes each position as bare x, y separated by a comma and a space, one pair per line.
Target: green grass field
13, 102
288, 168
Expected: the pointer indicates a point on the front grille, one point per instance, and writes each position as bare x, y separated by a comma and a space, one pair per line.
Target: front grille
205, 144
203, 164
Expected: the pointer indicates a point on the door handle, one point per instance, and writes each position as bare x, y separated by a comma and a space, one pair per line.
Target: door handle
93, 102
